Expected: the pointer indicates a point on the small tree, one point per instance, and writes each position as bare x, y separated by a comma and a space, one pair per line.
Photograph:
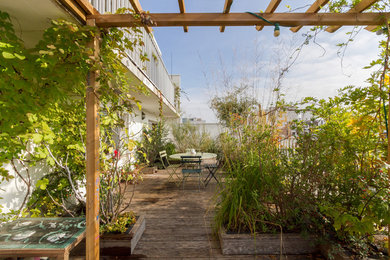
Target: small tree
153, 141
234, 102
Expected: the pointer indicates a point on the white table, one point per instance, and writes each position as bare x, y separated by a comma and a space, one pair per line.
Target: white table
203, 156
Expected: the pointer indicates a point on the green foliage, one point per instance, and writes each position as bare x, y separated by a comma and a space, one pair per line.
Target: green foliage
334, 183
189, 136
122, 224
153, 141
170, 148
234, 102
118, 175
42, 93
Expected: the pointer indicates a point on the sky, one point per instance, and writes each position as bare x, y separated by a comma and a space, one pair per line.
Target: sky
208, 60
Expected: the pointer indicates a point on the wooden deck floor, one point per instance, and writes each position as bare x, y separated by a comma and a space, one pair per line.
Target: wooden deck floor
179, 221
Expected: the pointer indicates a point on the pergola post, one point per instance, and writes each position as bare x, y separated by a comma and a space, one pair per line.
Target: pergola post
388, 172
92, 165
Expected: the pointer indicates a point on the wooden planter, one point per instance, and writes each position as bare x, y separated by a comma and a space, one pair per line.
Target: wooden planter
116, 244
330, 253
266, 244
122, 244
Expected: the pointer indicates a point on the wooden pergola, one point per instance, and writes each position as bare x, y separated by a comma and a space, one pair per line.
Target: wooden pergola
87, 14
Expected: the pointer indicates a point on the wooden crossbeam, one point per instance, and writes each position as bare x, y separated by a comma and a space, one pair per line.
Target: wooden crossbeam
244, 19
183, 10
359, 7
371, 27
138, 9
75, 9
226, 10
314, 8
270, 9
87, 6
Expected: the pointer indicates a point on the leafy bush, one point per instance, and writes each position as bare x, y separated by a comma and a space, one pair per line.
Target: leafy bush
121, 225
43, 120
153, 141
189, 136
334, 183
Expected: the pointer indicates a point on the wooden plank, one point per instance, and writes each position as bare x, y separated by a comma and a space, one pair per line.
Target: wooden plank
138, 9
359, 7
226, 10
87, 7
370, 27
183, 10
93, 181
75, 9
270, 9
314, 8
244, 19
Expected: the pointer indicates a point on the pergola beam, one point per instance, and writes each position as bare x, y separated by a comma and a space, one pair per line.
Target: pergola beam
359, 7
87, 6
78, 11
183, 10
226, 10
270, 9
138, 9
244, 19
371, 27
314, 8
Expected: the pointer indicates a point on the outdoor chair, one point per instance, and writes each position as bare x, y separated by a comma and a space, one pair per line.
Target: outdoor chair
171, 169
191, 166
212, 170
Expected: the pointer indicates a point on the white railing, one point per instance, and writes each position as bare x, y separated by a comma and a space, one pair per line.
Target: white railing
154, 69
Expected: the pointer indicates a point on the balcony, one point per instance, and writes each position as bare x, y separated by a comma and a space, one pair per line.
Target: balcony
152, 73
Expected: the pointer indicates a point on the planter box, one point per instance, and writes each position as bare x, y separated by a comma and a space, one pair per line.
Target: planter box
330, 253
122, 244
115, 244
267, 244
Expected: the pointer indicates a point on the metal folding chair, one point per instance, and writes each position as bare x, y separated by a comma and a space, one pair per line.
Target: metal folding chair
191, 166
171, 169
212, 169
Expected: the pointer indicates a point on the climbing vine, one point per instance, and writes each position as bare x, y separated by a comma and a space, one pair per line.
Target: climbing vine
42, 93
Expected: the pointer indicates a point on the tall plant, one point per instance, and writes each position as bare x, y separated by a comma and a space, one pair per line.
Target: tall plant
189, 136
154, 140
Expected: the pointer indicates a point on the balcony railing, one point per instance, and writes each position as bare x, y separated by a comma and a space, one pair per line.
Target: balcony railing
154, 69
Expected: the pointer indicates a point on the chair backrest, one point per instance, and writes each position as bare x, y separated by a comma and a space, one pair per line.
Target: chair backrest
191, 160
164, 159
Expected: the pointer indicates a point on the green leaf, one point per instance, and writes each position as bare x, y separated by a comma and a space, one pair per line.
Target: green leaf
50, 161
20, 57
42, 184
37, 138
8, 55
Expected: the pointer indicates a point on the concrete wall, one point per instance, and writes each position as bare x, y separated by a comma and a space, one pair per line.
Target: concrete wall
214, 129
14, 191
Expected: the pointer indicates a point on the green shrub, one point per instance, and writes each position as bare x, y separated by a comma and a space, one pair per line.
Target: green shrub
334, 183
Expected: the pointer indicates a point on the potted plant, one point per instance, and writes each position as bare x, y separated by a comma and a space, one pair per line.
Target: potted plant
120, 228
153, 141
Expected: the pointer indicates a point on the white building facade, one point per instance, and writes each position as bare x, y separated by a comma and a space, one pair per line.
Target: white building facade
32, 17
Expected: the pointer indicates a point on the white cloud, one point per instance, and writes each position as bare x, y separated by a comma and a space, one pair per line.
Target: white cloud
316, 73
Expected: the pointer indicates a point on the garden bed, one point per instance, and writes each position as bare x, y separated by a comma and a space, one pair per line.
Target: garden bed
292, 243
123, 244
116, 244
